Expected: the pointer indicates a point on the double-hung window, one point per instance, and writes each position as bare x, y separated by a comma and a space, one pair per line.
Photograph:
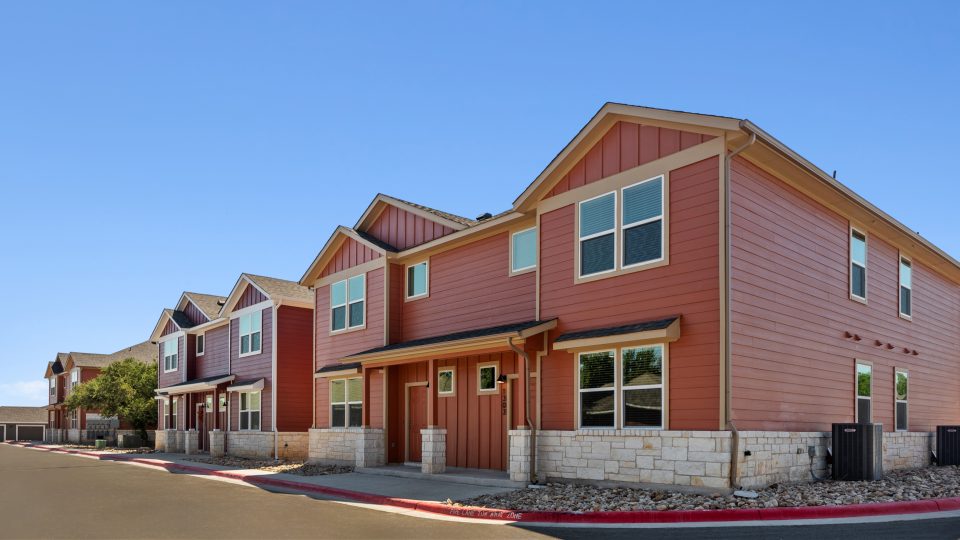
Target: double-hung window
598, 389
53, 386
622, 388
346, 402
347, 303
173, 413
417, 280
642, 222
642, 386
201, 345
900, 397
864, 393
858, 265
598, 235
446, 382
171, 354
74, 378
523, 250
906, 287
251, 332
250, 411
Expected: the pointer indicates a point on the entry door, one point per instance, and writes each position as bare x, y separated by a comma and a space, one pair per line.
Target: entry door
416, 420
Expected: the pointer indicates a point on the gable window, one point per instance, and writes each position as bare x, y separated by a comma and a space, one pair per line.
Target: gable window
170, 354
346, 402
643, 222
906, 287
598, 231
900, 396
417, 280
858, 265
597, 389
642, 384
487, 379
200, 344
864, 393
250, 411
173, 413
523, 250
446, 382
53, 386
251, 332
347, 303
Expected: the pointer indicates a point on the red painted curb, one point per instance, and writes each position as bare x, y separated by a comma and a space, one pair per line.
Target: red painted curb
638, 516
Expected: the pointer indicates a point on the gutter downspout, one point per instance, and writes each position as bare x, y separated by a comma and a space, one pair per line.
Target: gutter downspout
273, 381
526, 409
728, 337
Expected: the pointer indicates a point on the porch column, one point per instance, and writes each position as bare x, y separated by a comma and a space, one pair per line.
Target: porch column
365, 409
431, 395
523, 386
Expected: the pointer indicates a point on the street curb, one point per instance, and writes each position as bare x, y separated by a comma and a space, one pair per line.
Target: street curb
639, 516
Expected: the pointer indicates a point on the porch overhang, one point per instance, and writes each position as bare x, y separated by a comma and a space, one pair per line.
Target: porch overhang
246, 386
493, 337
196, 385
665, 330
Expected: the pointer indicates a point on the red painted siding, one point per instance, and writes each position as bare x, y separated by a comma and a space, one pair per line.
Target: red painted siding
350, 254
294, 373
170, 328
214, 359
625, 146
331, 348
688, 286
376, 397
470, 288
194, 314
251, 296
793, 369
254, 367
174, 377
396, 303
403, 230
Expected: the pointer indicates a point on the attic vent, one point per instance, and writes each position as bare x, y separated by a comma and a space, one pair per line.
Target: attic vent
221, 303
486, 215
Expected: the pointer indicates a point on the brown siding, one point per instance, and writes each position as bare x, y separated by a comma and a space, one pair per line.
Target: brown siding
253, 367
294, 373
350, 254
403, 230
625, 146
251, 296
194, 314
793, 369
332, 348
170, 328
174, 377
469, 287
687, 286
214, 359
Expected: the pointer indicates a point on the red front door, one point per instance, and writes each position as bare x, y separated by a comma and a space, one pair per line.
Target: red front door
416, 420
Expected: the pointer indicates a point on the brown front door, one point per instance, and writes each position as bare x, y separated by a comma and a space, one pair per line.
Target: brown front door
416, 420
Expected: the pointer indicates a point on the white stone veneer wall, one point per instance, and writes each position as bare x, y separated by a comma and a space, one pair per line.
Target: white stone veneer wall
777, 456
160, 442
250, 444
907, 449
294, 445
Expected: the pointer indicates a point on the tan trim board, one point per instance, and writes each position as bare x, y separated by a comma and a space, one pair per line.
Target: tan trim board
338, 373
363, 268
666, 335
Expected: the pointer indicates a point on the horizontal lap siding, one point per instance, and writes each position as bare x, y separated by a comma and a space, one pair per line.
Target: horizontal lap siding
332, 348
793, 369
351, 253
251, 296
687, 286
253, 367
214, 359
403, 230
294, 373
469, 287
174, 377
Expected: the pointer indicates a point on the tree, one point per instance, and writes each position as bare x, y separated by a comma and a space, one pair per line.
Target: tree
123, 389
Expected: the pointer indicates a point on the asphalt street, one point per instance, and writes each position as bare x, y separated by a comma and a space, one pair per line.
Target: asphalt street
46, 495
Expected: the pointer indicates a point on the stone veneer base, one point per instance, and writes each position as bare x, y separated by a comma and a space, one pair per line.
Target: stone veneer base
361, 447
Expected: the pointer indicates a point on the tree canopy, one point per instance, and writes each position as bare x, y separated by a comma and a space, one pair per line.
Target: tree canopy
123, 389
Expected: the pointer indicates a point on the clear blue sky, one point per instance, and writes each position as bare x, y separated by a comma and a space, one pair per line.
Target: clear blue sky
151, 148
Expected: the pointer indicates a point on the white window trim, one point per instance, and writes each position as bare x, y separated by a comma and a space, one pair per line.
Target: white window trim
906, 373
662, 386
614, 389
496, 374
163, 353
856, 390
903, 258
453, 381
74, 374
252, 351
53, 386
536, 250
241, 411
346, 297
201, 338
406, 280
346, 402
174, 417
662, 218
582, 239
851, 262
618, 389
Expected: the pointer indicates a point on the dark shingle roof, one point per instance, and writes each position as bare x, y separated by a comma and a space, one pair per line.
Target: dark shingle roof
658, 324
375, 241
209, 304
339, 367
440, 213
23, 415
275, 287
456, 336
181, 319
197, 381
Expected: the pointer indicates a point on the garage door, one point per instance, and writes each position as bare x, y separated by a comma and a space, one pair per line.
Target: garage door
29, 433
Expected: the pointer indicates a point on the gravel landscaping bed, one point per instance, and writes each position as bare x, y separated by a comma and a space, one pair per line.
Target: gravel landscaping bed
289, 467
902, 485
109, 449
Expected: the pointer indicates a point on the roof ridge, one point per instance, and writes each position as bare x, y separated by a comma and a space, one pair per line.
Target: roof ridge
441, 213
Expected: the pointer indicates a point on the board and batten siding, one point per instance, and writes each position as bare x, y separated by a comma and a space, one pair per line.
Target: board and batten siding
253, 367
351, 253
294, 374
793, 369
403, 230
469, 287
688, 286
214, 359
251, 296
194, 314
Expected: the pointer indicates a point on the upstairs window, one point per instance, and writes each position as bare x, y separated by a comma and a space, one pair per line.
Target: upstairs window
598, 232
251, 332
170, 354
864, 393
906, 287
900, 397
347, 303
858, 265
74, 377
250, 411
523, 250
643, 222
346, 402
200, 344
417, 279
53, 386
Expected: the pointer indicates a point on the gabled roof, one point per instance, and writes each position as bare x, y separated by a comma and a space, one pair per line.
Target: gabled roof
208, 304
144, 352
179, 318
329, 249
49, 371
23, 415
82, 359
278, 290
370, 215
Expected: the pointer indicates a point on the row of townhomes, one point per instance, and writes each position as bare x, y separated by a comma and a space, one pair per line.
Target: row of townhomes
68, 370
676, 299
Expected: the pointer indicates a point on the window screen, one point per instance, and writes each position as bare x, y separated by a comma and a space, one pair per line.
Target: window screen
597, 374
643, 222
858, 264
597, 232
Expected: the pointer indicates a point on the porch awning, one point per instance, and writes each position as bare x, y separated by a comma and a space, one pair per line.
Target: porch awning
493, 336
251, 385
335, 370
657, 331
196, 385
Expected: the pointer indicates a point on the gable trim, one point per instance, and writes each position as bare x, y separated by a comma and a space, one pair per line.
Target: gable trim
329, 249
158, 329
237, 291
376, 207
